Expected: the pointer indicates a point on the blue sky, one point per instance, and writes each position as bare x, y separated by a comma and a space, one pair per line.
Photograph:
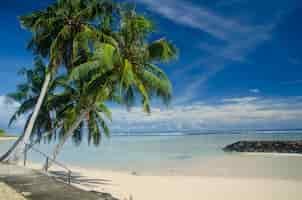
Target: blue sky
240, 63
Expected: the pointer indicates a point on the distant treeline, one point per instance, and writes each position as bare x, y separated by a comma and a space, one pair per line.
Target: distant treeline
203, 132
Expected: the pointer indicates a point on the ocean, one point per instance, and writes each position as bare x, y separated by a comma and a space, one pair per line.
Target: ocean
153, 152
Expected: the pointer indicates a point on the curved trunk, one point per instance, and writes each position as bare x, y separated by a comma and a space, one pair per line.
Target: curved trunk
19, 147
63, 140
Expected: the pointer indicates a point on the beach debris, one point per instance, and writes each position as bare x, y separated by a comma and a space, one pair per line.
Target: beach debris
26, 194
134, 173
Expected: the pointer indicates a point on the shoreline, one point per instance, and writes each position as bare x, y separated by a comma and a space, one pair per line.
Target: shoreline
8, 138
235, 175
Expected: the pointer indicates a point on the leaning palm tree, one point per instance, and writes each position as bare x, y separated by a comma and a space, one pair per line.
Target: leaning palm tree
27, 94
83, 107
62, 33
124, 70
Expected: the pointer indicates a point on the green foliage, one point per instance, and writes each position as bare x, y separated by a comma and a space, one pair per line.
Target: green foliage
109, 57
161, 50
145, 78
102, 60
78, 99
64, 30
2, 132
28, 92
132, 62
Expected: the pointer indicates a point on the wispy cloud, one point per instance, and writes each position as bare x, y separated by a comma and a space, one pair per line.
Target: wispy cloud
233, 113
236, 40
255, 90
293, 82
185, 13
223, 3
295, 61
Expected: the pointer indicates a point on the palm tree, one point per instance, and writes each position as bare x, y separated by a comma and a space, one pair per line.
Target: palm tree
125, 69
27, 94
83, 107
62, 33
139, 58
132, 61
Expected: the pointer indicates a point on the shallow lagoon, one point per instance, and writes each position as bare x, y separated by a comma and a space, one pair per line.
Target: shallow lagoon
185, 154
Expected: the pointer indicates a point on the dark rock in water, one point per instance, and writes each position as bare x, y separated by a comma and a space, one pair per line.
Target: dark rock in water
265, 146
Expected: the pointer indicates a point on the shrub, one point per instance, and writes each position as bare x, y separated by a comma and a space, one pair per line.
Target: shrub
1, 132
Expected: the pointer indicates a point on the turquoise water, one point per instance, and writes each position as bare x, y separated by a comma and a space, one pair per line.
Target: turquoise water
152, 152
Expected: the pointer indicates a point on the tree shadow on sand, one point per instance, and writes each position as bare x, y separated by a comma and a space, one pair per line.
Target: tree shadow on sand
77, 178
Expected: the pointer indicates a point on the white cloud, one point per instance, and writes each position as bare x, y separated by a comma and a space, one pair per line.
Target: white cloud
240, 100
255, 90
7, 109
232, 113
229, 113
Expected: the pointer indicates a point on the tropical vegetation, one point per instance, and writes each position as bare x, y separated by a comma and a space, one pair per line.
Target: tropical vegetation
98, 51
2, 132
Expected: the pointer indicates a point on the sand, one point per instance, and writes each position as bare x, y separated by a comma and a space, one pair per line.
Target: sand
243, 177
7, 193
10, 138
124, 185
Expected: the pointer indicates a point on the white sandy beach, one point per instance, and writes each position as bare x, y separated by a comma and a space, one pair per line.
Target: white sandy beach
188, 187
178, 171
8, 138
239, 179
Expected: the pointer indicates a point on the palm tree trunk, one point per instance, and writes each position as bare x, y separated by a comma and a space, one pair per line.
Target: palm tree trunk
63, 140
20, 146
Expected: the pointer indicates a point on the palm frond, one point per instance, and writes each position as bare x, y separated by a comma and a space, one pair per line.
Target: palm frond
161, 50
103, 124
105, 110
102, 61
